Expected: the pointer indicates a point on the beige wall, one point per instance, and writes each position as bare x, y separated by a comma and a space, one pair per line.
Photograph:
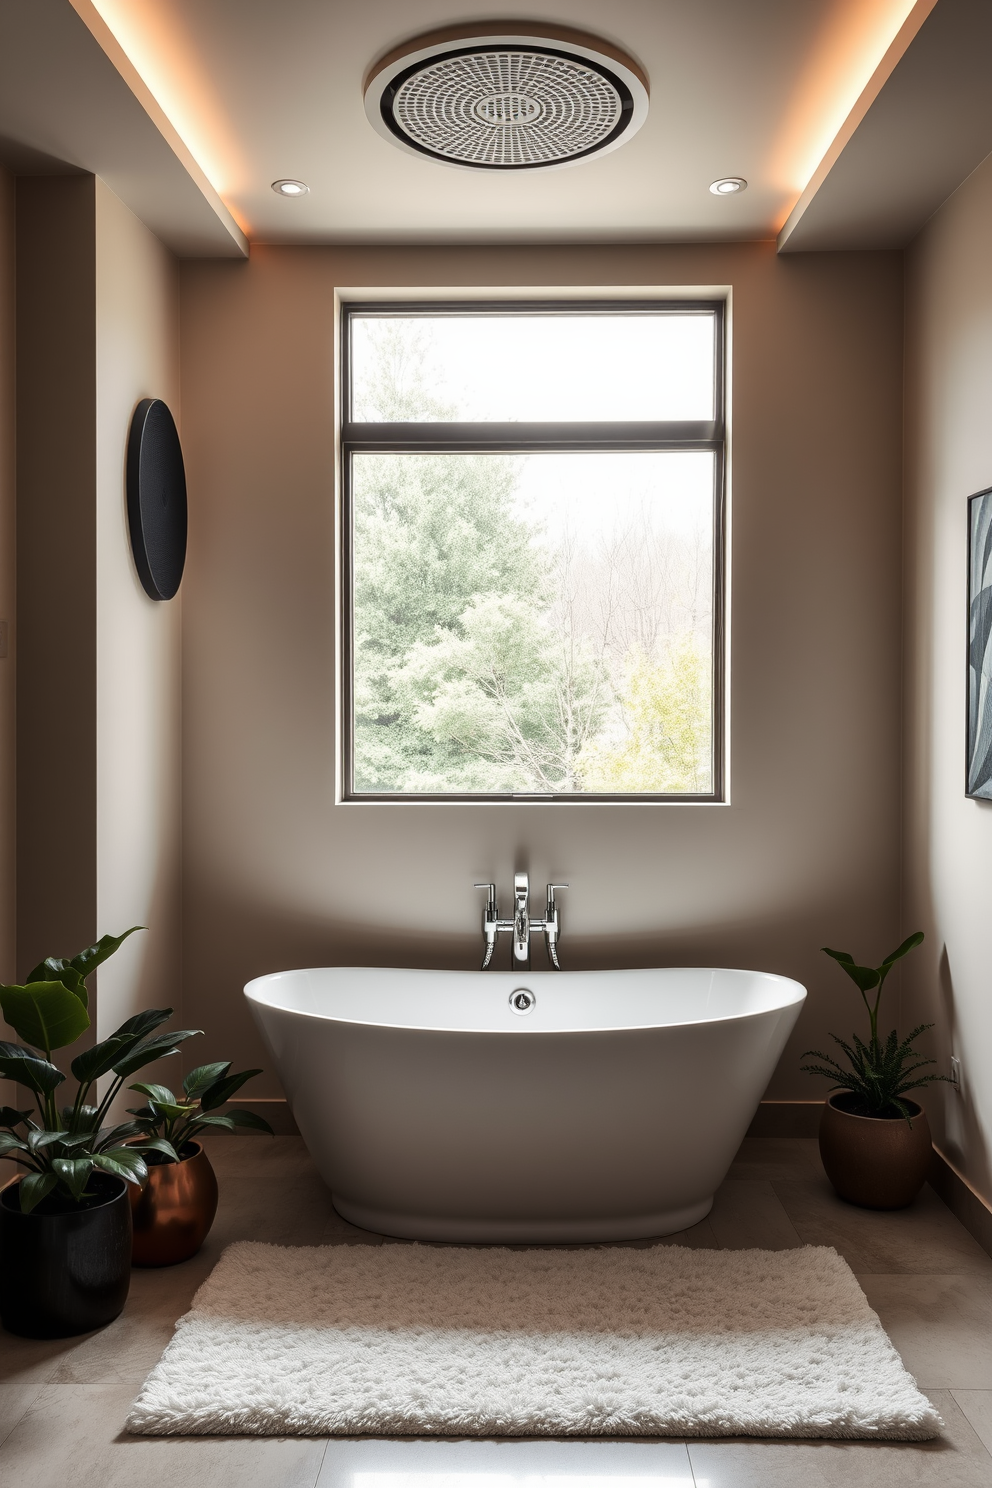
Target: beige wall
948, 839
276, 875
8, 890
137, 639
98, 714
56, 566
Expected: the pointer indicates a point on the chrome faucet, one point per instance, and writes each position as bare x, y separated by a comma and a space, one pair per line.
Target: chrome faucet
521, 926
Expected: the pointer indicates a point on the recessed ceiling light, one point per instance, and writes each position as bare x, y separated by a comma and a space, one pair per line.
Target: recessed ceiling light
728, 186
290, 188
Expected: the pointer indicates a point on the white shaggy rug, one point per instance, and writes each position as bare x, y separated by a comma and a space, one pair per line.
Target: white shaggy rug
421, 1340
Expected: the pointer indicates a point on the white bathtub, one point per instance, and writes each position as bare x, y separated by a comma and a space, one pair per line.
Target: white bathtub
612, 1110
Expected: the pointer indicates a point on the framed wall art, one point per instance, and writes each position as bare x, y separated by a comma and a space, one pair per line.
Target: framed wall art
978, 772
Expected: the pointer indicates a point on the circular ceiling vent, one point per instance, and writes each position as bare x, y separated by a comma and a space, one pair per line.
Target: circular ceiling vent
486, 98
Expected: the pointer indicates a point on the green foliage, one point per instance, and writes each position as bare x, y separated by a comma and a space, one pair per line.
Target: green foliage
61, 1148
879, 1073
175, 1120
45, 1014
666, 744
474, 665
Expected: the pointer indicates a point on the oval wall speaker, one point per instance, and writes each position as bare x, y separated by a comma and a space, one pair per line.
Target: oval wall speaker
156, 498
504, 97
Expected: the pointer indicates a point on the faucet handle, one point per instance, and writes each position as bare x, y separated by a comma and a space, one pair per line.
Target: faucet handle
489, 921
551, 891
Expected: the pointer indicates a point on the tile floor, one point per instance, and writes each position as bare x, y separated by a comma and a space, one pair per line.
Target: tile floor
62, 1404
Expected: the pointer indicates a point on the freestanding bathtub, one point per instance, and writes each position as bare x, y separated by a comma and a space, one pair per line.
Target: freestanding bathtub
437, 1109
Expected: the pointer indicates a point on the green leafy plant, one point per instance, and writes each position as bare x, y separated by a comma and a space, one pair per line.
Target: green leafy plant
881, 1071
178, 1120
61, 1147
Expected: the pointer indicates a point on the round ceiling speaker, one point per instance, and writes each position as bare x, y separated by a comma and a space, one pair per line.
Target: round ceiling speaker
502, 99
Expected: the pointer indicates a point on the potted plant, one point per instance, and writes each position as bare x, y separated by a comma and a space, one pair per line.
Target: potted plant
174, 1210
65, 1224
875, 1144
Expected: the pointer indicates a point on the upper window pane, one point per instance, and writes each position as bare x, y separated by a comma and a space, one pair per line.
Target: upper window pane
512, 367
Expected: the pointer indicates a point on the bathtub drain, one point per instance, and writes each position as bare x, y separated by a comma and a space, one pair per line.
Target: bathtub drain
522, 1000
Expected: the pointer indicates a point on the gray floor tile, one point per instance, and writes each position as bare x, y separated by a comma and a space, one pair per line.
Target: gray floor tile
941, 1325
977, 1406
924, 1237
73, 1434
956, 1460
750, 1216
772, 1158
260, 1157
62, 1404
503, 1464
26, 1366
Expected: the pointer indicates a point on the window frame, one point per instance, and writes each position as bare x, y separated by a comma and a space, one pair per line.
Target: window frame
521, 438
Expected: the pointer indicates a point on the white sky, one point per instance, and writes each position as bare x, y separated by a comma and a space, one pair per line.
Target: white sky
595, 495
559, 367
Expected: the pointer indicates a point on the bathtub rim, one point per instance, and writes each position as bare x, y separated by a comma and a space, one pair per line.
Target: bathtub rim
522, 1027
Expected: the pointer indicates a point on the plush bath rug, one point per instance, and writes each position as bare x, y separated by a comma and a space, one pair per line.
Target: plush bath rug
421, 1340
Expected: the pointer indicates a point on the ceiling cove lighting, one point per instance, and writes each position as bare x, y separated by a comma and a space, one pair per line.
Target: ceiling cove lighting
290, 188
507, 97
728, 186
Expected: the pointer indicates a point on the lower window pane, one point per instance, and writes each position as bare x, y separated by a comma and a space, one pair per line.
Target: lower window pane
533, 623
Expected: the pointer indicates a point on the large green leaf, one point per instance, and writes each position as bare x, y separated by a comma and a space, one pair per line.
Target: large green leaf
122, 1162
57, 969
215, 1095
74, 1172
95, 955
159, 1047
248, 1118
160, 1094
863, 977
224, 1123
141, 1024
11, 1143
114, 1136
39, 1139
33, 1188
157, 1144
205, 1075
28, 1068
93, 1063
909, 944
11, 1117
45, 1014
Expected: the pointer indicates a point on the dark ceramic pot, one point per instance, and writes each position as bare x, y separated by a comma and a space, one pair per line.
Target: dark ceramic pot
65, 1269
174, 1210
877, 1162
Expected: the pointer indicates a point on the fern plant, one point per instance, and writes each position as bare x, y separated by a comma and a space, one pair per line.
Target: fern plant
880, 1072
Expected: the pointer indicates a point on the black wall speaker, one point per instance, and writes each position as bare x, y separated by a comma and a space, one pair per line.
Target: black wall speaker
156, 498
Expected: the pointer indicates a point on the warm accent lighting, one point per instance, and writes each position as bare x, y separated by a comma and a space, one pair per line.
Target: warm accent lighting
853, 39
290, 188
728, 186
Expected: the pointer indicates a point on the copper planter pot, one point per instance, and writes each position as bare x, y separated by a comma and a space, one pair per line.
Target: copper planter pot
879, 1163
174, 1210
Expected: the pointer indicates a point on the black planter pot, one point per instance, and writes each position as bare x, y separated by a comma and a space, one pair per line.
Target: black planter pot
62, 1270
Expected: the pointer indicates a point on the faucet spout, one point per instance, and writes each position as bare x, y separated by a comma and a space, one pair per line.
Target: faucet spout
521, 920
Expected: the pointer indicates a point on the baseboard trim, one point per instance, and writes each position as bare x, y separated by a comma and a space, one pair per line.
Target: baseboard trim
962, 1200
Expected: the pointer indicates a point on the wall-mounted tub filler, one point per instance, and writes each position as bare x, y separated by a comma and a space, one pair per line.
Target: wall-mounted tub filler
521, 925
610, 1111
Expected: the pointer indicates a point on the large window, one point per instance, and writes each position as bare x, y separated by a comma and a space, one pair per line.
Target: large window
533, 530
